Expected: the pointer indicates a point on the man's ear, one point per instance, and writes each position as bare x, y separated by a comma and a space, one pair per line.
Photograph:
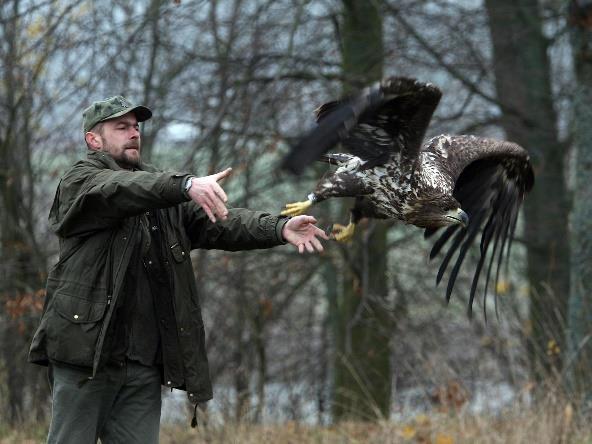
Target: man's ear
93, 140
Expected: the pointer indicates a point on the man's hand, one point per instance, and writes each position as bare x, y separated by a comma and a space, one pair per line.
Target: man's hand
301, 232
206, 192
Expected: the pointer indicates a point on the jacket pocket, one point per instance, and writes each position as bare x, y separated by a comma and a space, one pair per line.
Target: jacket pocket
73, 329
178, 253
80, 311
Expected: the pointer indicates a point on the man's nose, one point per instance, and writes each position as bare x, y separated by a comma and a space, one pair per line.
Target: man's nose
135, 133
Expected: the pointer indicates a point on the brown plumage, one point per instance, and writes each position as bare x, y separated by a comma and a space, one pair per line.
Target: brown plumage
466, 185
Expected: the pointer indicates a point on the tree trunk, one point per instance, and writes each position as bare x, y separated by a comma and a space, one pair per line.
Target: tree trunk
153, 18
523, 83
21, 263
580, 302
362, 374
243, 339
242, 367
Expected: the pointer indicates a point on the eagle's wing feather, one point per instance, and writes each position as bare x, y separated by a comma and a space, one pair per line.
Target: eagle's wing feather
389, 117
395, 124
339, 118
490, 179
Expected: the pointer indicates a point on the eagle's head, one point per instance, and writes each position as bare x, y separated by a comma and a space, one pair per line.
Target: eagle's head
435, 211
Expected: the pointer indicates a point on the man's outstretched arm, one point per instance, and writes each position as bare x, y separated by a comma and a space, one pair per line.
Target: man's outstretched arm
209, 224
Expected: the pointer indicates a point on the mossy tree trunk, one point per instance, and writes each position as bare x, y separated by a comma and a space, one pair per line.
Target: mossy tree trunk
580, 302
22, 261
523, 83
362, 373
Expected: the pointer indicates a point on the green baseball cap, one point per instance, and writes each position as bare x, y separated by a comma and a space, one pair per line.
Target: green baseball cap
109, 109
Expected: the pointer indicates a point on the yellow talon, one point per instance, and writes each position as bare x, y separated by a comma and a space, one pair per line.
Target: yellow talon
296, 208
343, 233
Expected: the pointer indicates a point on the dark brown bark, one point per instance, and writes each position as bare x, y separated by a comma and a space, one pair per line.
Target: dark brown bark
523, 83
21, 261
580, 303
362, 379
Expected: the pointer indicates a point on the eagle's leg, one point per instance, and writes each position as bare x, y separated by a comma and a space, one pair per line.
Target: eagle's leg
340, 184
343, 233
362, 208
296, 208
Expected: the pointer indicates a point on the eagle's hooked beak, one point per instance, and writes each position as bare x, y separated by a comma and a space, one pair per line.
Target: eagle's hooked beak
459, 216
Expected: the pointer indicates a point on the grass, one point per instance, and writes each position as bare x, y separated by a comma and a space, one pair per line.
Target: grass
553, 425
552, 421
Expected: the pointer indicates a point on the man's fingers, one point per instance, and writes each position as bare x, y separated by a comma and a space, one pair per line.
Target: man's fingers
219, 192
307, 220
205, 201
216, 203
222, 174
211, 208
321, 233
302, 232
317, 244
209, 213
210, 199
219, 206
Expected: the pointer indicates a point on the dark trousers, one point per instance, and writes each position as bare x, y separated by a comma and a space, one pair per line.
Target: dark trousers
121, 405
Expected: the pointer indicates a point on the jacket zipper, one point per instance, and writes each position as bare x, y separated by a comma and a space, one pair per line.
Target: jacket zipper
105, 324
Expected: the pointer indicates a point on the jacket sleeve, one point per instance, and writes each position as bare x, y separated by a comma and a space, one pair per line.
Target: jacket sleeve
90, 198
242, 230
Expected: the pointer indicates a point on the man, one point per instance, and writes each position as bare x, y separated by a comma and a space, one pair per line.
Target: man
122, 314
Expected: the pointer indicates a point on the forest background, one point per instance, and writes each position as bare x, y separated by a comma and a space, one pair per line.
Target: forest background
360, 334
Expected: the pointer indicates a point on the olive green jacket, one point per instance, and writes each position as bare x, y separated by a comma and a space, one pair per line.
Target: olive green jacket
96, 213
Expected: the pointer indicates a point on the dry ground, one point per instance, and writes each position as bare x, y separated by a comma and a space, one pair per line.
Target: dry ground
554, 423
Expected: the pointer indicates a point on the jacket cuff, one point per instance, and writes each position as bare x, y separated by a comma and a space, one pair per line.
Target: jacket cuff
176, 188
282, 221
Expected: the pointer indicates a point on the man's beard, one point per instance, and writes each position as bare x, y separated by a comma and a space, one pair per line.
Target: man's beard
127, 159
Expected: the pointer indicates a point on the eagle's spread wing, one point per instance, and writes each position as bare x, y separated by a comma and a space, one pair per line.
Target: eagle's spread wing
490, 179
390, 116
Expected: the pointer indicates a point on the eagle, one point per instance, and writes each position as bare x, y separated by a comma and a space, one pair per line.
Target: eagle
456, 187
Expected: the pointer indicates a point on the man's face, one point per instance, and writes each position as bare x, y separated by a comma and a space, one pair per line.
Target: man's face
120, 137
